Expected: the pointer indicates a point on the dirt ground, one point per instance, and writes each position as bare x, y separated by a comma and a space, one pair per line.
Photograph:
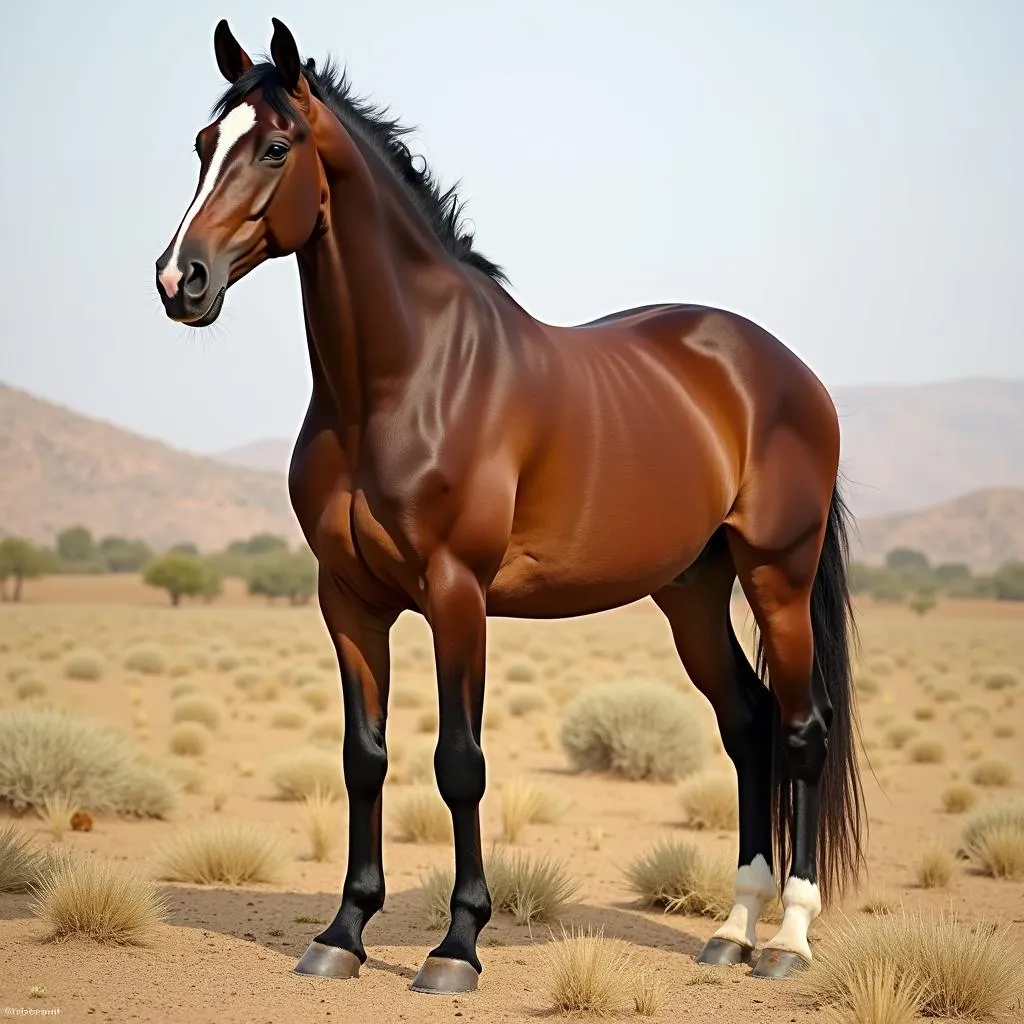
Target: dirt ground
225, 954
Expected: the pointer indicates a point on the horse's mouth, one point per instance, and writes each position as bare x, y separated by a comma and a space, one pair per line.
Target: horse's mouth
211, 314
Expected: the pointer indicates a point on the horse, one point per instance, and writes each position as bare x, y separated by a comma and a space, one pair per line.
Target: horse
461, 459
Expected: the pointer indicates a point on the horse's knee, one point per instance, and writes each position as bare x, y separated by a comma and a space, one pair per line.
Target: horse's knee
805, 744
365, 760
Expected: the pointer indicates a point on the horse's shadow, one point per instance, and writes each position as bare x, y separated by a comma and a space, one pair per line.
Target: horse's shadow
285, 922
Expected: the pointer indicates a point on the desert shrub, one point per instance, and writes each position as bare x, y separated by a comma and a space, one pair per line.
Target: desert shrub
97, 899
316, 697
232, 853
1003, 731
879, 903
1000, 678
427, 720
528, 888
147, 659
521, 672
22, 866
302, 772
420, 816
587, 974
414, 767
45, 751
963, 970
639, 731
288, 718
958, 797
525, 702
925, 713
189, 739
330, 732
196, 709
226, 661
926, 751
84, 664
29, 687
991, 772
648, 992
898, 735
993, 838
709, 800
524, 802
683, 879
935, 867
178, 691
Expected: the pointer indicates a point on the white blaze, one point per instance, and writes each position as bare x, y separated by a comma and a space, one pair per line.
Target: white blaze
755, 886
803, 904
234, 125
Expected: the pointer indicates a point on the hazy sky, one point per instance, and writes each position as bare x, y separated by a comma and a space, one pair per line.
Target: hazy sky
848, 174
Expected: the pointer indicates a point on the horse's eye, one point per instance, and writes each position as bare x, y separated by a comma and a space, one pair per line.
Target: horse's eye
276, 152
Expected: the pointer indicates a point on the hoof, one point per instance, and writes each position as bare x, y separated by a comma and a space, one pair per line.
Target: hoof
322, 961
721, 952
778, 963
442, 975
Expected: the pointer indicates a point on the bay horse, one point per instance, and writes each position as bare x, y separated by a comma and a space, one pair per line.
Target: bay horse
459, 459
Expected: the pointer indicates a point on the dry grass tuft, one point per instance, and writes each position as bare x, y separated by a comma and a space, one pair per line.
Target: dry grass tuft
881, 996
56, 814
196, 709
232, 853
98, 900
44, 751
958, 797
636, 730
587, 973
683, 879
878, 903
302, 772
530, 889
960, 970
322, 825
992, 772
85, 665
709, 800
317, 697
420, 816
927, 751
147, 659
288, 718
648, 992
524, 802
189, 739
994, 839
1000, 679
935, 867
899, 735
21, 866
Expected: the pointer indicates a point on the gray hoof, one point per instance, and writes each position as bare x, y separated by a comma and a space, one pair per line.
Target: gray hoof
442, 975
721, 952
778, 964
322, 961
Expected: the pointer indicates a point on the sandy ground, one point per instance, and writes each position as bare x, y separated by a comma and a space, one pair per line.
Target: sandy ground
226, 954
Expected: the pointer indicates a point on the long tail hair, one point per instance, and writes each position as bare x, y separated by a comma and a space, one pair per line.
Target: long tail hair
842, 821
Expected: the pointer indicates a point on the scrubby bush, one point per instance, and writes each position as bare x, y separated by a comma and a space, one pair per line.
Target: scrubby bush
45, 751
147, 659
84, 664
683, 879
709, 800
994, 839
303, 772
638, 731
233, 853
196, 709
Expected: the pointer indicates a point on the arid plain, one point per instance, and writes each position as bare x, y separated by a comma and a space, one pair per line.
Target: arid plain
941, 702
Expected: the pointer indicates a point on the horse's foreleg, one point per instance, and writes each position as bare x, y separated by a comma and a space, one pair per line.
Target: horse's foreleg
361, 641
457, 615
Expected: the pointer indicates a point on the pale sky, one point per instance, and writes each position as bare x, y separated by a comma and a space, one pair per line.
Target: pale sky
848, 174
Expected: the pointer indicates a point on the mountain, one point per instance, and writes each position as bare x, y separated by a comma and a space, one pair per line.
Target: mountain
60, 468
271, 455
985, 529
904, 447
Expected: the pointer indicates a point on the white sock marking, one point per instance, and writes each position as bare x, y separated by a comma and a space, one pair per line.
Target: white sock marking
755, 886
233, 126
803, 904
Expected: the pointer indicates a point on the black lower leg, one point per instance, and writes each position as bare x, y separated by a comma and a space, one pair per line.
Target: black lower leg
365, 762
461, 779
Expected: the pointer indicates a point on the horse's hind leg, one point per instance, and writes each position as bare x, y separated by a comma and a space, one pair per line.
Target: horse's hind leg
697, 608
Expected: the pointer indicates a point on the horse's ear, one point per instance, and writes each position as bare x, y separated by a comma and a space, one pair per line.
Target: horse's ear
232, 60
285, 55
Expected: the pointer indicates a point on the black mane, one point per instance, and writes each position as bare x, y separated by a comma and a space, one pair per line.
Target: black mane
330, 85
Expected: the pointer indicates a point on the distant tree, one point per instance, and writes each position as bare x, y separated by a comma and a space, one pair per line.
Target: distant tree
289, 574
952, 572
921, 602
181, 576
75, 545
889, 588
258, 544
122, 555
906, 558
1008, 582
186, 547
20, 561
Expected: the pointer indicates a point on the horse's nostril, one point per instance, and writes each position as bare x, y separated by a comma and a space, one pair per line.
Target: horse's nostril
197, 280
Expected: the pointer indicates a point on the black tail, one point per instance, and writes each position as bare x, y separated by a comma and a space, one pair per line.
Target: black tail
842, 823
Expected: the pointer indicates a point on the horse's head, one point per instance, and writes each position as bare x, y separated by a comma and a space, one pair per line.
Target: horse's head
262, 188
